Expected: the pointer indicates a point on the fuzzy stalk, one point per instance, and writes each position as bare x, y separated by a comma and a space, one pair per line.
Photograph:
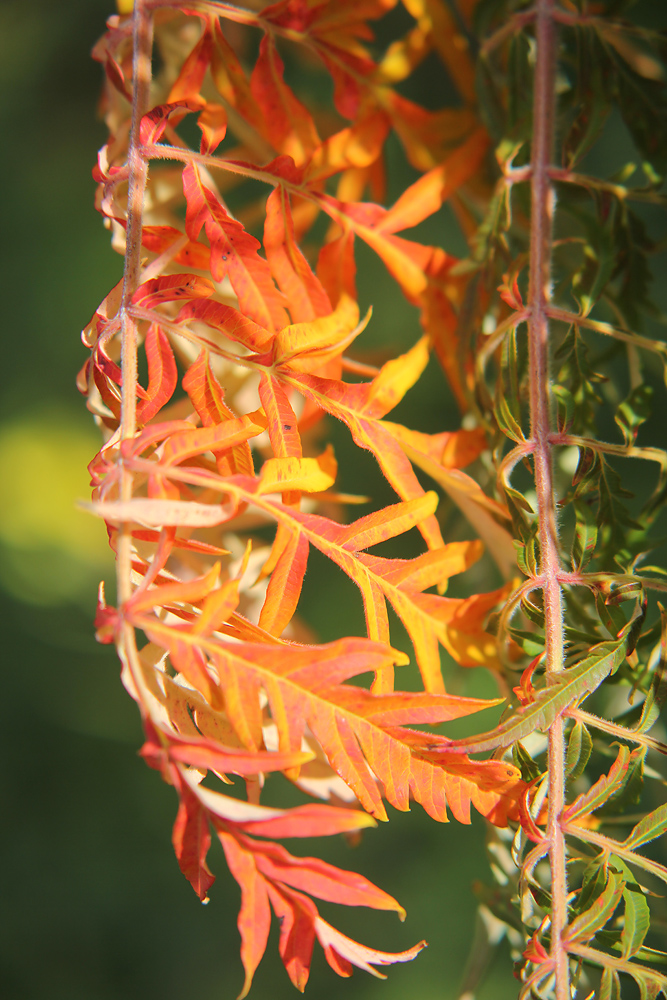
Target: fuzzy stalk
539, 294
142, 42
142, 47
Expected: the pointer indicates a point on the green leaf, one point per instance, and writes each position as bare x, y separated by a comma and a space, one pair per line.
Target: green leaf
652, 955
589, 282
564, 408
610, 985
522, 759
642, 105
577, 374
520, 83
602, 790
635, 625
519, 499
611, 615
530, 642
637, 921
593, 883
592, 108
532, 611
491, 109
657, 692
637, 914
650, 983
651, 826
612, 939
505, 412
527, 556
586, 478
633, 248
518, 507
633, 412
629, 794
585, 535
564, 690
614, 519
579, 749
497, 216
585, 926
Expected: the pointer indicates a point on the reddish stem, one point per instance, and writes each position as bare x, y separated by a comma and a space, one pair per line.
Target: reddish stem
541, 230
138, 174
137, 167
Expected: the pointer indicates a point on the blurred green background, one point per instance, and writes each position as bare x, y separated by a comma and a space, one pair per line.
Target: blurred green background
94, 905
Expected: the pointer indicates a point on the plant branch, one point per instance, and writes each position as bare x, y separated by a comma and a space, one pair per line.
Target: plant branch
137, 166
539, 293
138, 174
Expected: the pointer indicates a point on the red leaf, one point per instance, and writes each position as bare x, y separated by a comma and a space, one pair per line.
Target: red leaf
205, 754
342, 952
319, 879
297, 916
162, 374
255, 915
155, 122
171, 288
191, 838
227, 320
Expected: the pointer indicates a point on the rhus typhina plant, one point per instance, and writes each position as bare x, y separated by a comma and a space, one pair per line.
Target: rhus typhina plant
216, 366
564, 382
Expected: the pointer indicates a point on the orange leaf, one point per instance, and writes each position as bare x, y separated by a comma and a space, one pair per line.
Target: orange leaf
305, 685
304, 347
357, 146
230, 78
186, 444
255, 915
304, 293
171, 288
191, 838
155, 122
162, 374
287, 567
426, 195
158, 239
190, 79
287, 123
337, 946
212, 121
227, 320
207, 397
282, 422
205, 754
485, 515
233, 252
361, 405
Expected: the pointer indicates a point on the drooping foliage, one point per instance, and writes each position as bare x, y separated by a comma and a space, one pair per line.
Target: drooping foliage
220, 360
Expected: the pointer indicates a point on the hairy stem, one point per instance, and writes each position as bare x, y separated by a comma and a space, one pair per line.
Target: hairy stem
138, 175
542, 202
137, 165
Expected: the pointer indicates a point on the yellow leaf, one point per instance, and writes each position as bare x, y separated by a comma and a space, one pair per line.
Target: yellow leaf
304, 474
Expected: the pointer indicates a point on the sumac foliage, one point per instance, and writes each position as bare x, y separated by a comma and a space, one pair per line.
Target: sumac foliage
217, 366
